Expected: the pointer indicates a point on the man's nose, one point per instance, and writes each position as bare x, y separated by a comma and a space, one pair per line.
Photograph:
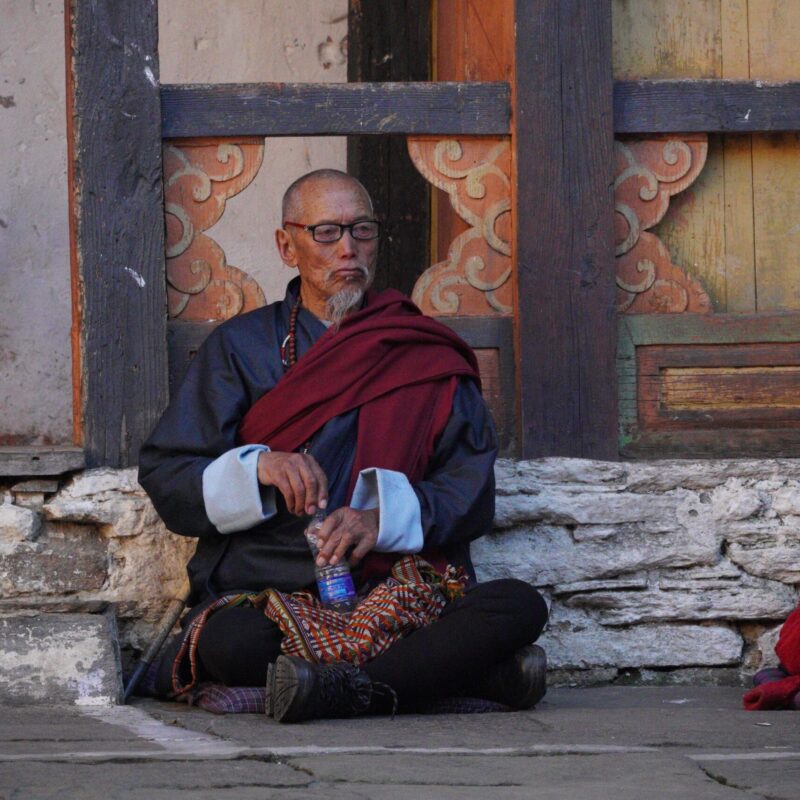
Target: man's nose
347, 244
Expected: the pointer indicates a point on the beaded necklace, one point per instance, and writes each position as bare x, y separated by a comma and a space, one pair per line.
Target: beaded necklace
289, 348
289, 345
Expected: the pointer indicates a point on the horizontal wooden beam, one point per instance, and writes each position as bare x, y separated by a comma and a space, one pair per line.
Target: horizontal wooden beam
21, 461
713, 106
334, 109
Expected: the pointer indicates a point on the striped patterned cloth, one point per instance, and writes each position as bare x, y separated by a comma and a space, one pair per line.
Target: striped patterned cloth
412, 597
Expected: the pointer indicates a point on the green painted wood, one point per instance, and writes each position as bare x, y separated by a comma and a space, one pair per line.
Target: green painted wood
638, 330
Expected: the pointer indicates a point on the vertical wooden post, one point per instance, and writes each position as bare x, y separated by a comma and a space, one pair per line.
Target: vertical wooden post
390, 40
566, 329
118, 216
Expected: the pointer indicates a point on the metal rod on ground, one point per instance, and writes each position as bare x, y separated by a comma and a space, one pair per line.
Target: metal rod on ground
167, 623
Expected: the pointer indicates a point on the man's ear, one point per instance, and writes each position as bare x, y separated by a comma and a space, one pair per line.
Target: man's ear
285, 245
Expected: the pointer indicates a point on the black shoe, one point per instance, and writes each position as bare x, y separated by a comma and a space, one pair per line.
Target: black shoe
520, 681
269, 706
298, 690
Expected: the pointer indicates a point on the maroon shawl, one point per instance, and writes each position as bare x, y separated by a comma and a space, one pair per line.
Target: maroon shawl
397, 366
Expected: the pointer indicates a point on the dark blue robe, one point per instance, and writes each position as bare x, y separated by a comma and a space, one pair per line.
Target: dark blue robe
240, 361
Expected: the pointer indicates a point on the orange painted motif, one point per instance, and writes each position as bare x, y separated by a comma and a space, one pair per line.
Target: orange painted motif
199, 177
648, 173
476, 175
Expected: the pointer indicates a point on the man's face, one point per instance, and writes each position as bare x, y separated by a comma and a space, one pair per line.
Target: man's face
326, 269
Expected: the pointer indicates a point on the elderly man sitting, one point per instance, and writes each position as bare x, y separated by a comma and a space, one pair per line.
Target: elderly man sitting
342, 399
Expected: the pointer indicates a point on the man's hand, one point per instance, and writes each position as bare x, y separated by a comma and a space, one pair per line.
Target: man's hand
298, 477
346, 528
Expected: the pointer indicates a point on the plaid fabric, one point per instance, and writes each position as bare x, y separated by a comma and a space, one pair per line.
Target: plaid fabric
412, 597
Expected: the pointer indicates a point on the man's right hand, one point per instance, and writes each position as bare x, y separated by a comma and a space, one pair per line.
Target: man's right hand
298, 477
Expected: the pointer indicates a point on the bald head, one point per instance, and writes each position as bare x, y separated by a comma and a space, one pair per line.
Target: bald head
292, 208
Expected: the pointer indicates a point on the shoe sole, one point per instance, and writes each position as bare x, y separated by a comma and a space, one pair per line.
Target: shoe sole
289, 691
533, 662
269, 706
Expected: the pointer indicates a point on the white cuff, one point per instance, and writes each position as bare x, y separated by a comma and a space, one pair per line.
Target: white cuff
233, 497
400, 528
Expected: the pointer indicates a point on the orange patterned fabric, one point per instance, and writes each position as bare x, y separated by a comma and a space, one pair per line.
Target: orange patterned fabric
412, 597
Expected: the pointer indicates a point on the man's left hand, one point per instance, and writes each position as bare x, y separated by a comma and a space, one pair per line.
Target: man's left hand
346, 528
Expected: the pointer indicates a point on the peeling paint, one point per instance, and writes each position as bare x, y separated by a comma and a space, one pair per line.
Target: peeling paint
137, 277
148, 73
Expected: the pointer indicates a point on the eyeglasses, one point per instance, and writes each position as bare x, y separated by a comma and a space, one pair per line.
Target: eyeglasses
328, 232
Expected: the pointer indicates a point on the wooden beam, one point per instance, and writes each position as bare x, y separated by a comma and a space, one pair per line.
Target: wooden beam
566, 327
19, 461
715, 106
119, 225
389, 40
334, 109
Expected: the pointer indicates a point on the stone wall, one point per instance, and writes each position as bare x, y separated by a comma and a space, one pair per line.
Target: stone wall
671, 570
659, 571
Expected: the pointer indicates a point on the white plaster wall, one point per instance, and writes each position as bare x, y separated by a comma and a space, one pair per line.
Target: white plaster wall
206, 41
35, 306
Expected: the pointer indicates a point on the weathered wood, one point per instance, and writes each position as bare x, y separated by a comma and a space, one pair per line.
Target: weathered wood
334, 109
564, 228
116, 155
720, 106
492, 338
389, 40
736, 231
22, 461
709, 385
183, 341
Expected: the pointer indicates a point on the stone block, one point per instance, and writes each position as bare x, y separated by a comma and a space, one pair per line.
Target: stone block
106, 497
17, 524
54, 564
775, 557
786, 500
745, 599
59, 658
574, 640
766, 647
735, 501
547, 555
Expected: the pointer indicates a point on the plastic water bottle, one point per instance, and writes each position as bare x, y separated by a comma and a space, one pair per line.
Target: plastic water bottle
334, 582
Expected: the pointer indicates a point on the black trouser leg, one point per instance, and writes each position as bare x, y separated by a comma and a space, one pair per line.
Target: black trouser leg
234, 649
446, 658
457, 651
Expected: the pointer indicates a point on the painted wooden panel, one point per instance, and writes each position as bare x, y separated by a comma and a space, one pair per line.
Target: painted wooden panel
736, 229
199, 177
686, 387
709, 385
473, 41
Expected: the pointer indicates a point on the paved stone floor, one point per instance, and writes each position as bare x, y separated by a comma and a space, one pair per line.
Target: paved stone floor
615, 743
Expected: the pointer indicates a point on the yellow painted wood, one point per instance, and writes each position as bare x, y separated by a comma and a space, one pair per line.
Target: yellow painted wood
737, 228
776, 197
739, 246
666, 39
774, 55
729, 388
693, 227
681, 39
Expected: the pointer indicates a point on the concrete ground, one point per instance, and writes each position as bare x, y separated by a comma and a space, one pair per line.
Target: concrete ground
620, 743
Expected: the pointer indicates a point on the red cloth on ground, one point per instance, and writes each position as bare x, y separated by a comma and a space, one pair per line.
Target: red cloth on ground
781, 693
788, 647
397, 366
773, 695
